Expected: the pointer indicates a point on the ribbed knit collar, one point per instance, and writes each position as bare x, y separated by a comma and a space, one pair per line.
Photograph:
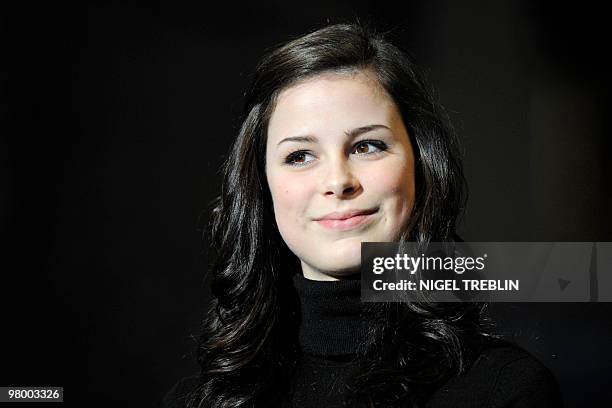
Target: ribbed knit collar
331, 324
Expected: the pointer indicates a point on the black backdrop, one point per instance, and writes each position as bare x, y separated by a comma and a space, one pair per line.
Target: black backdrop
116, 116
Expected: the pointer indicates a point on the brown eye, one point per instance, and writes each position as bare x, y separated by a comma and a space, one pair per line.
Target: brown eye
363, 148
368, 147
299, 158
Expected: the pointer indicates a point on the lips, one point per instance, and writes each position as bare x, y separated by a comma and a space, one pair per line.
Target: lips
342, 220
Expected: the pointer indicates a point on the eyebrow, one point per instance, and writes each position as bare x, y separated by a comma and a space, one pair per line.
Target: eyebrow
353, 133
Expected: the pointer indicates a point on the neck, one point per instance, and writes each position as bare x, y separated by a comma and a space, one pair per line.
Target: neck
312, 273
331, 322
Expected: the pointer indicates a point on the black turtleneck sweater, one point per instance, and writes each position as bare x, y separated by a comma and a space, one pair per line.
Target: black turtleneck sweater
331, 330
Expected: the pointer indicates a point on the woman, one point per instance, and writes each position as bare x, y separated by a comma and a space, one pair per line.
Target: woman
342, 143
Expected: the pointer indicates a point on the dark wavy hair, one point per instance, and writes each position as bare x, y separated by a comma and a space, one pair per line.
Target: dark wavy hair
248, 350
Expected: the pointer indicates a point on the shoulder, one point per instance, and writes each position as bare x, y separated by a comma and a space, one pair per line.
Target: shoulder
177, 395
504, 375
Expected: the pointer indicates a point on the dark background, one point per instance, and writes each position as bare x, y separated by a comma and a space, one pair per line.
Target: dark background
116, 116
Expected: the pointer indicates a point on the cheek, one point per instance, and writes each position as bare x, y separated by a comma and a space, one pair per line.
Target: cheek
394, 184
290, 198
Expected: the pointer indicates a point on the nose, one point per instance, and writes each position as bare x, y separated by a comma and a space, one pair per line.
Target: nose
340, 181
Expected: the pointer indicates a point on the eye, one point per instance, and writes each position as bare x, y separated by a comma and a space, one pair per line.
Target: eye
299, 158
369, 147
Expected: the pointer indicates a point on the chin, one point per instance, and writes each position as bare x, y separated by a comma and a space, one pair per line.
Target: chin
343, 268
342, 261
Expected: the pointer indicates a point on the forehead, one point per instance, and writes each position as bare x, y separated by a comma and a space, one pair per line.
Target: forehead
355, 79
331, 101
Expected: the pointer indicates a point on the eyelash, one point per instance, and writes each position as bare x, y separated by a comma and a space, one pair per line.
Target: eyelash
380, 145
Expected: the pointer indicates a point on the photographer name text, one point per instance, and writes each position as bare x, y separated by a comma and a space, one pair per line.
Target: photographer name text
449, 285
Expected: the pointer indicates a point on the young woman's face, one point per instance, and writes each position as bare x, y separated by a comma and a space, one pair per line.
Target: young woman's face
340, 168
